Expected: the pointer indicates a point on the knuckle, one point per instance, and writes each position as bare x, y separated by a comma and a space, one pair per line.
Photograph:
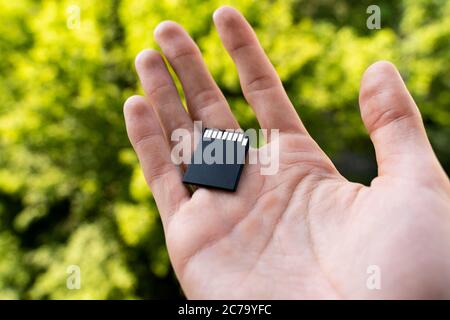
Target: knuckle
160, 91
261, 82
182, 54
205, 98
385, 107
145, 141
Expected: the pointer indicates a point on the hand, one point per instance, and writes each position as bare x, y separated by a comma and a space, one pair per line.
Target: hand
305, 232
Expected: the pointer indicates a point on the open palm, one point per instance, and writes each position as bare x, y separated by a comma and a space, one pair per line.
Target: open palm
305, 232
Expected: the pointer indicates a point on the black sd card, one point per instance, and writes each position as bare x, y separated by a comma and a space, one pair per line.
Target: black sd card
218, 160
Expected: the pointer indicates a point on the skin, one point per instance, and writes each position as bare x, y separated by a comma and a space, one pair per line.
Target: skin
305, 232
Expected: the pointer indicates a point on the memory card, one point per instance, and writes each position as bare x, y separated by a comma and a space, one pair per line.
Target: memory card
218, 159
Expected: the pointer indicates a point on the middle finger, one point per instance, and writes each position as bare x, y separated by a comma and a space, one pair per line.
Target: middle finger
204, 99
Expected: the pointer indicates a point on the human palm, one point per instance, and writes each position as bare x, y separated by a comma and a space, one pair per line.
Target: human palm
304, 232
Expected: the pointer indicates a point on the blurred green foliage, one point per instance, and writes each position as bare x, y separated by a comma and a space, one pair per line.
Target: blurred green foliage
71, 191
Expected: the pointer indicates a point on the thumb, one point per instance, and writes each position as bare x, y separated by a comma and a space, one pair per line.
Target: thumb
394, 123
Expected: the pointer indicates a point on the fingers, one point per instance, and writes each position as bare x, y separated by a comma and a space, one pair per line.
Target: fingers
204, 99
393, 121
259, 81
147, 138
162, 92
